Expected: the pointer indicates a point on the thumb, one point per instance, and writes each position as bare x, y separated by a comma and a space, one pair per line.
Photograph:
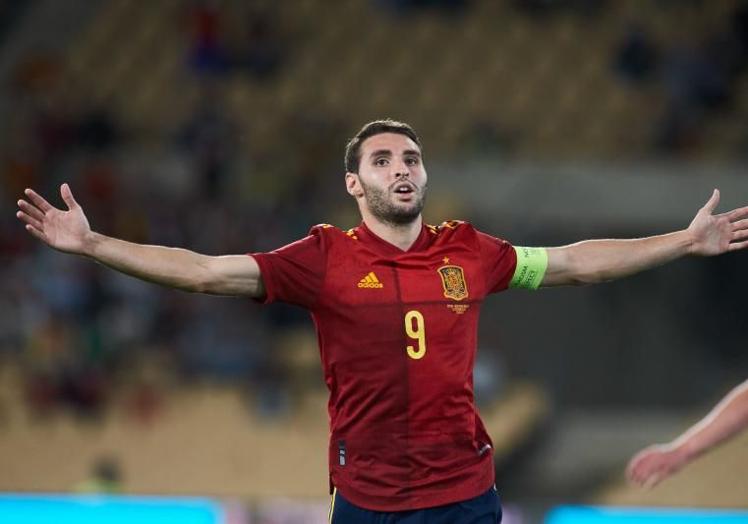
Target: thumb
712, 203
67, 196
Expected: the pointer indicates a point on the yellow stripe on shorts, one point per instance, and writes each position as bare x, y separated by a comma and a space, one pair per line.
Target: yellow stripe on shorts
332, 505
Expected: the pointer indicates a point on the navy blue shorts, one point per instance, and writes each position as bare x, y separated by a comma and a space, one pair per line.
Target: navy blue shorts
483, 509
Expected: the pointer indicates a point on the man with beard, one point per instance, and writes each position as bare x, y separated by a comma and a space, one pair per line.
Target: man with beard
395, 303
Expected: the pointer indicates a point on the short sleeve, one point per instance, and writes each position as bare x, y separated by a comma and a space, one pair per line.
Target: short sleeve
499, 261
294, 273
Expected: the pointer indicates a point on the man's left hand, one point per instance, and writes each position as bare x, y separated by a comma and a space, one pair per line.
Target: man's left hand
717, 234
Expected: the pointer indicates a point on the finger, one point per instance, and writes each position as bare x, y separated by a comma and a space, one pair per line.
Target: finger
67, 196
643, 473
736, 214
30, 220
711, 204
654, 477
652, 481
630, 476
36, 232
38, 200
639, 470
30, 209
637, 478
737, 246
739, 235
634, 465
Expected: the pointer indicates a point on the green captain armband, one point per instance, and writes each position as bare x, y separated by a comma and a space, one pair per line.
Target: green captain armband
531, 265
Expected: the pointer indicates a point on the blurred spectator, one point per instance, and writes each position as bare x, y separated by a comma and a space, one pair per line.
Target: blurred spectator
83, 387
9, 13
105, 477
209, 137
489, 377
694, 85
636, 55
271, 389
53, 130
97, 129
701, 79
65, 371
739, 22
206, 39
144, 400
485, 136
541, 8
226, 344
409, 6
20, 169
36, 72
262, 51
145, 403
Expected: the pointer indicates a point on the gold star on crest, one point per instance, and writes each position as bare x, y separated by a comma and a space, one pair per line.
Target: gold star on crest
446, 260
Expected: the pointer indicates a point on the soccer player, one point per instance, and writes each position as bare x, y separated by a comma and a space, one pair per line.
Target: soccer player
728, 418
395, 303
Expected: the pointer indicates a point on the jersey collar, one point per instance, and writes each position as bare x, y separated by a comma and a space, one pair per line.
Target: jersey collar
384, 247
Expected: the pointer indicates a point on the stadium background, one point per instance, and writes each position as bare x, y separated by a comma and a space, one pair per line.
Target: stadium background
220, 125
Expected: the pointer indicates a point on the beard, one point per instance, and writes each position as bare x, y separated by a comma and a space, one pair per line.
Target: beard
381, 205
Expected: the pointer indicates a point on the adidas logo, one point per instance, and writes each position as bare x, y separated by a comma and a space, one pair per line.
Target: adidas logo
370, 281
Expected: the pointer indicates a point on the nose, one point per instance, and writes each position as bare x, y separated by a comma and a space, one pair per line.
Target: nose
401, 170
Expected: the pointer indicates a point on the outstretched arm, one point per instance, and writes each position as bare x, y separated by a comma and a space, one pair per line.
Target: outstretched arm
69, 231
655, 463
594, 261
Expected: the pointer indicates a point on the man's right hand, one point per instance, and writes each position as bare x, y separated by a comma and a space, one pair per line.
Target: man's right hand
66, 231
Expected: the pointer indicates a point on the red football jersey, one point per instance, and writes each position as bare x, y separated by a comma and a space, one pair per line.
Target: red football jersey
397, 335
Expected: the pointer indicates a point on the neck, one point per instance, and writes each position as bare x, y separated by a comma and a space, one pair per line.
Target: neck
400, 235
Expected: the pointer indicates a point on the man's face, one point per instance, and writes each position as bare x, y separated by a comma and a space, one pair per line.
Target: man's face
391, 179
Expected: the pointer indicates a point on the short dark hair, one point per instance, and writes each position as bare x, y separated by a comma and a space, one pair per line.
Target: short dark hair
377, 127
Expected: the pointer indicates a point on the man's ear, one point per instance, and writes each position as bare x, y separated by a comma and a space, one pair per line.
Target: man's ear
353, 185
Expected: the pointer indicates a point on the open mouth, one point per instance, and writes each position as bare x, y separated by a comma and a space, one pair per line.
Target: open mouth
403, 189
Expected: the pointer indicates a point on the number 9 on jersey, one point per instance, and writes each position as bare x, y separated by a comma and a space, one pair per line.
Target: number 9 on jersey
416, 329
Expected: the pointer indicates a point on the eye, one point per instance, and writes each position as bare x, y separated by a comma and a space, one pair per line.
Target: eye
412, 161
381, 162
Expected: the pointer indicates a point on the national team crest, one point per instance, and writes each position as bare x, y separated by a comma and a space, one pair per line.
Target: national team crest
453, 281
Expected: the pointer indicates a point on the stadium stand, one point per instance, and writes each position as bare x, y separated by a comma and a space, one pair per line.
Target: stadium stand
544, 81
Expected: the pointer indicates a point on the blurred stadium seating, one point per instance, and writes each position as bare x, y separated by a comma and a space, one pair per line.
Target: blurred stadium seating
542, 80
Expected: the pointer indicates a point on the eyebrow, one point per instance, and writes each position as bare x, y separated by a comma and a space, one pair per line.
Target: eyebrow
388, 153
381, 152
